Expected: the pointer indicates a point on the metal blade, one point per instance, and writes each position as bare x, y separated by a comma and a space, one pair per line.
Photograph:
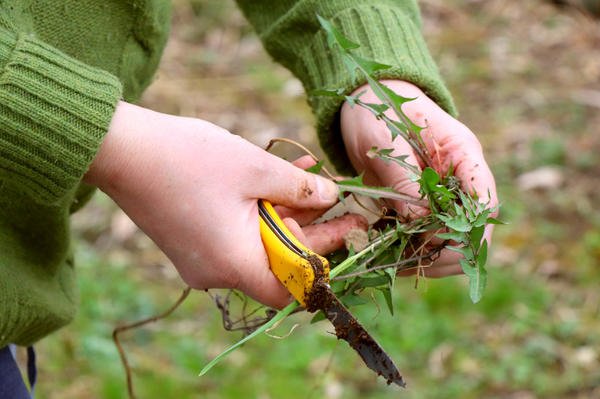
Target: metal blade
350, 330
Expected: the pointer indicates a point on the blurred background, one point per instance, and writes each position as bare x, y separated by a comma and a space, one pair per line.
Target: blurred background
526, 79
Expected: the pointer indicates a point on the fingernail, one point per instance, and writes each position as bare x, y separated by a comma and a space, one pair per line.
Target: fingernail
328, 190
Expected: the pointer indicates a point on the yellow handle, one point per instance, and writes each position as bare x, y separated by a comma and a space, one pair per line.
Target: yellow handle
288, 257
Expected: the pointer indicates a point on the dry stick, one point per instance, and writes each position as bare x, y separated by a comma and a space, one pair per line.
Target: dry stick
137, 324
248, 325
380, 215
303, 148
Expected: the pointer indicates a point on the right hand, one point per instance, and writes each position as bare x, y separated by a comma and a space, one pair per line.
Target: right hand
192, 187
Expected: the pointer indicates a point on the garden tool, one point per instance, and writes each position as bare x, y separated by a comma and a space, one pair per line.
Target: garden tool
306, 276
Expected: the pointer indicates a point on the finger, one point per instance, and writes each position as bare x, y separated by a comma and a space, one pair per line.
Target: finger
297, 231
301, 216
285, 184
326, 237
304, 162
477, 177
447, 263
463, 151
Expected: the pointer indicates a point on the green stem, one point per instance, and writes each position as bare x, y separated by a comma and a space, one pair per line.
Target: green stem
282, 314
349, 261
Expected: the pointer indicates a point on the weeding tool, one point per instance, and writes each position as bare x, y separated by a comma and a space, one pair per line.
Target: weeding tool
306, 275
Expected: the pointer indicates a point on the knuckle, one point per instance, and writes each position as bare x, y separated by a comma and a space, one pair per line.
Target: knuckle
301, 189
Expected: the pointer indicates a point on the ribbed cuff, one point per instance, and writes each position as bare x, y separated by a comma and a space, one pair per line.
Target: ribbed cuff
386, 35
54, 112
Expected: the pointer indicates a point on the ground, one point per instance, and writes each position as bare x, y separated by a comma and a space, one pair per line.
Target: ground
526, 79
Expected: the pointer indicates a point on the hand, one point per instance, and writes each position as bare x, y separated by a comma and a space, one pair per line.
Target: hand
449, 142
193, 188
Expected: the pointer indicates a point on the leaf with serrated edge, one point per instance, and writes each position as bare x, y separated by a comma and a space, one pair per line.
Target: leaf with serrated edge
335, 36
477, 280
456, 222
457, 236
464, 251
476, 236
387, 295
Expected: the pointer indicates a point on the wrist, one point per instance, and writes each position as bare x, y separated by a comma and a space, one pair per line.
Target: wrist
113, 157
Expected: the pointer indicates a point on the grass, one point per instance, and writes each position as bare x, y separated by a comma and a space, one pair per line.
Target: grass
445, 346
513, 69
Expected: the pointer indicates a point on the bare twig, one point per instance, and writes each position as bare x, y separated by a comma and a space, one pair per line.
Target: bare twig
138, 324
303, 148
243, 322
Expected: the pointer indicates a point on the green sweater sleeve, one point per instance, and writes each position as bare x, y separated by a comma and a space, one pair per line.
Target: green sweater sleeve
388, 31
54, 112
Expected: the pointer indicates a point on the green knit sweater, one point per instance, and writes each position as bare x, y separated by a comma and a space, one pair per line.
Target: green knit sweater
64, 64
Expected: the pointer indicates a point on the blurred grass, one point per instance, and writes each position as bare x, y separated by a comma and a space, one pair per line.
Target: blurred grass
520, 73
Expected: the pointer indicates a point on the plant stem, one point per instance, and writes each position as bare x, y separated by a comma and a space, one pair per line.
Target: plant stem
349, 261
282, 314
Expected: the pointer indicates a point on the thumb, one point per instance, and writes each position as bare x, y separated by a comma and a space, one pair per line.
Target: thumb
288, 185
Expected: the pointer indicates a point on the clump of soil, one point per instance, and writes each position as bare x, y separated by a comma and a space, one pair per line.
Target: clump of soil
317, 298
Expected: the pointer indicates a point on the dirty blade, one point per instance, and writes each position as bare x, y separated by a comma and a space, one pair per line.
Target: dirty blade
350, 330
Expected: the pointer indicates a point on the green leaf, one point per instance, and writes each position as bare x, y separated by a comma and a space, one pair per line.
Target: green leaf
397, 100
382, 153
482, 255
430, 179
457, 236
282, 314
457, 222
352, 100
387, 295
335, 36
350, 300
356, 185
375, 281
481, 219
339, 93
476, 236
494, 221
351, 67
397, 129
338, 286
376, 109
385, 155
469, 204
475, 286
354, 181
477, 279
316, 168
369, 66
464, 251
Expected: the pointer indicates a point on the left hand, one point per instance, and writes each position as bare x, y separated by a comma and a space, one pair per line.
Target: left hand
449, 142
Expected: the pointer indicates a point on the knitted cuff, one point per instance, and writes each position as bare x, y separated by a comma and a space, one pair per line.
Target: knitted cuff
385, 35
54, 113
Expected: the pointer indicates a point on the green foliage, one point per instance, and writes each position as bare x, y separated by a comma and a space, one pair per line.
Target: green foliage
316, 168
461, 216
459, 213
